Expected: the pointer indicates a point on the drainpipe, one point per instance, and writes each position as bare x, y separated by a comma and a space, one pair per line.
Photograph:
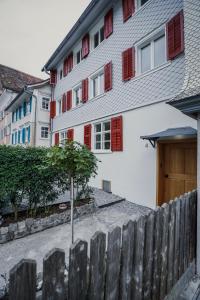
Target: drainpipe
35, 115
51, 120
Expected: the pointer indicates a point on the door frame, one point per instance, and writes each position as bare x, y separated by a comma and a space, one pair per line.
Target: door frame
159, 163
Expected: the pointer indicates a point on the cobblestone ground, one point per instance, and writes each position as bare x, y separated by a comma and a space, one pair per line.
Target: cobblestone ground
37, 245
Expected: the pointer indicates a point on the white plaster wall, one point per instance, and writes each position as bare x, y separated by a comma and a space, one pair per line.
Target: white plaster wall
133, 172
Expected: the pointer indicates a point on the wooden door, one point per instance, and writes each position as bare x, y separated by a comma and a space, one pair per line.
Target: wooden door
178, 169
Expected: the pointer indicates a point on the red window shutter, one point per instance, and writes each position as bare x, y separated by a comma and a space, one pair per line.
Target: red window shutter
117, 134
85, 45
128, 64
108, 77
87, 135
53, 77
69, 100
85, 90
128, 9
175, 36
52, 109
65, 67
64, 106
56, 142
70, 134
70, 62
108, 24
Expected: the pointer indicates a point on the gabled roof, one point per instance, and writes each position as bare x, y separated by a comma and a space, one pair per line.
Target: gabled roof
15, 80
90, 14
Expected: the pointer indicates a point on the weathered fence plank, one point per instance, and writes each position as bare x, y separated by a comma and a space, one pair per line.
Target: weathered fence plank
187, 231
139, 259
164, 251
113, 264
22, 281
171, 246
148, 257
193, 225
126, 280
53, 275
182, 235
97, 266
78, 271
156, 254
177, 240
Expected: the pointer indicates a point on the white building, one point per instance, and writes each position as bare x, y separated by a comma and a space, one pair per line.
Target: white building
30, 115
11, 83
112, 76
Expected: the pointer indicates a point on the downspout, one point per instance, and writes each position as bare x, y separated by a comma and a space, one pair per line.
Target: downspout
51, 120
35, 115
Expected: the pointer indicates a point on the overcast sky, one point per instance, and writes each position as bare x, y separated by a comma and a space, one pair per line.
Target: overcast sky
30, 30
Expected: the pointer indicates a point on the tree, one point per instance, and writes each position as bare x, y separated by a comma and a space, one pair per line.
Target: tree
77, 163
25, 174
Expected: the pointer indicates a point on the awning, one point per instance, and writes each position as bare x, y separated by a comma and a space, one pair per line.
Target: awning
171, 133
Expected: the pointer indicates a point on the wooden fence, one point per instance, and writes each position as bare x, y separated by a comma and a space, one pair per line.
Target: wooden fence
143, 260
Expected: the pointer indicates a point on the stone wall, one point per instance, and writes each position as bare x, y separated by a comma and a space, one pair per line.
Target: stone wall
30, 226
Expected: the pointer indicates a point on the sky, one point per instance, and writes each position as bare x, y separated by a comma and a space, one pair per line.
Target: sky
31, 30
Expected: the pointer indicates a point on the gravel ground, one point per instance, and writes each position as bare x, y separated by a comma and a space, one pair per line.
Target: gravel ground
37, 245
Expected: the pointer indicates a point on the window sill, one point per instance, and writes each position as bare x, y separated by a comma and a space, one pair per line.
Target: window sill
140, 76
43, 109
44, 139
102, 151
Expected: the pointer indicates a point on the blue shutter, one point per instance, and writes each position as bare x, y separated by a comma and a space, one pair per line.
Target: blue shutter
13, 117
17, 114
23, 135
29, 134
16, 137
19, 136
12, 138
24, 108
20, 112
30, 104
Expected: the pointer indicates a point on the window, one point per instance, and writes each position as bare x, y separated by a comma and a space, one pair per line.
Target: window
77, 95
61, 74
141, 2
45, 103
102, 136
98, 37
78, 57
63, 137
97, 84
152, 54
44, 132
59, 107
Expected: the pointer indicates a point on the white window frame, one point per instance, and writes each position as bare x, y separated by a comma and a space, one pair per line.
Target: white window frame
47, 100
42, 129
77, 87
102, 134
99, 35
63, 137
146, 41
97, 74
76, 61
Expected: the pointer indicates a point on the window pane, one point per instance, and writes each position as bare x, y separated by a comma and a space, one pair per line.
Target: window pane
96, 39
107, 145
107, 136
145, 58
98, 146
98, 138
98, 128
78, 57
102, 34
95, 86
106, 126
159, 51
101, 83
143, 2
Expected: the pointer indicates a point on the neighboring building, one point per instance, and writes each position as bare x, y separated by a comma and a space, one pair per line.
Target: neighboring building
30, 111
11, 83
112, 76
